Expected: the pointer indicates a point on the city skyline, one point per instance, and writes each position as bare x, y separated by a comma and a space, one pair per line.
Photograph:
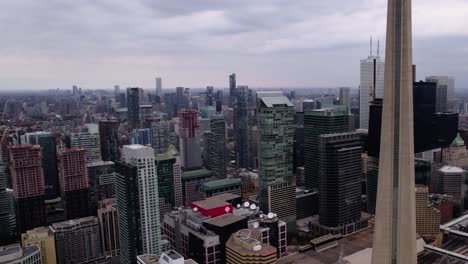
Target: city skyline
298, 45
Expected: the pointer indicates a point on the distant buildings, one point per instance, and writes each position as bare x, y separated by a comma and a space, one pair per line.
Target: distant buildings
74, 187
275, 114
44, 238
445, 93
28, 186
89, 140
159, 91
189, 134
232, 88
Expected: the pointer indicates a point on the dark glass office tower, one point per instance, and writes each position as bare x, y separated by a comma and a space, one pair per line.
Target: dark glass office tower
109, 137
7, 207
217, 151
133, 107
340, 178
243, 127
49, 161
232, 89
316, 123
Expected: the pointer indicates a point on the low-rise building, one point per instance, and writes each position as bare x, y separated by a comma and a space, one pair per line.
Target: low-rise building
15, 254
245, 247
44, 238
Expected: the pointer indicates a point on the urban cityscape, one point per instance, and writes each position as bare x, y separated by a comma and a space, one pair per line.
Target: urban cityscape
369, 173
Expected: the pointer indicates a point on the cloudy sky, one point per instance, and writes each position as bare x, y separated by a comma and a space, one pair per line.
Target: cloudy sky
194, 43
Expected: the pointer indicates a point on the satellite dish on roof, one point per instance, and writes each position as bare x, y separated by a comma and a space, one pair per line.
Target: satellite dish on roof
253, 206
246, 204
238, 205
195, 209
270, 215
257, 248
227, 209
255, 225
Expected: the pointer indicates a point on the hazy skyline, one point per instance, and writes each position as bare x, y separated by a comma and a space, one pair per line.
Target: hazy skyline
96, 44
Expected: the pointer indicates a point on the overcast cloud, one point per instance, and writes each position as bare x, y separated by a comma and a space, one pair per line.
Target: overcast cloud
194, 43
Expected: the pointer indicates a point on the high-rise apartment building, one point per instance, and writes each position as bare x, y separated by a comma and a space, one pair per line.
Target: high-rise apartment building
7, 207
344, 98
275, 115
217, 147
109, 227
395, 218
371, 86
133, 106
232, 89
189, 134
89, 140
77, 241
243, 127
209, 100
316, 123
427, 217
73, 175
450, 181
44, 238
159, 87
109, 137
49, 161
28, 186
101, 180
340, 178
142, 158
169, 180
445, 93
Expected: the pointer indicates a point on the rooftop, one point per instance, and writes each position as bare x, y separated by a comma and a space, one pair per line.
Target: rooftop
218, 184
275, 101
195, 174
451, 169
210, 203
225, 197
14, 252
100, 163
224, 220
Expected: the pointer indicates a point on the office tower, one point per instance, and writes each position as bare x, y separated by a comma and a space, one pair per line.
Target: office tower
395, 218
191, 182
109, 137
101, 180
49, 161
169, 180
340, 178
7, 207
189, 134
89, 140
28, 186
133, 106
450, 181
219, 101
141, 136
73, 175
217, 150
245, 246
142, 158
217, 187
15, 254
44, 238
210, 100
427, 217
116, 93
160, 136
77, 241
159, 87
316, 123
243, 127
275, 116
445, 93
344, 97
232, 89
372, 85
146, 115
109, 227
128, 206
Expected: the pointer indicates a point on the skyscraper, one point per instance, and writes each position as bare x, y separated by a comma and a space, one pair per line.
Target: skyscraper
243, 127
316, 123
133, 106
73, 175
28, 186
190, 151
209, 96
340, 178
88, 138
160, 136
7, 207
217, 146
142, 158
109, 227
395, 219
344, 98
49, 161
109, 137
275, 114
232, 88
445, 93
371, 87
159, 87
